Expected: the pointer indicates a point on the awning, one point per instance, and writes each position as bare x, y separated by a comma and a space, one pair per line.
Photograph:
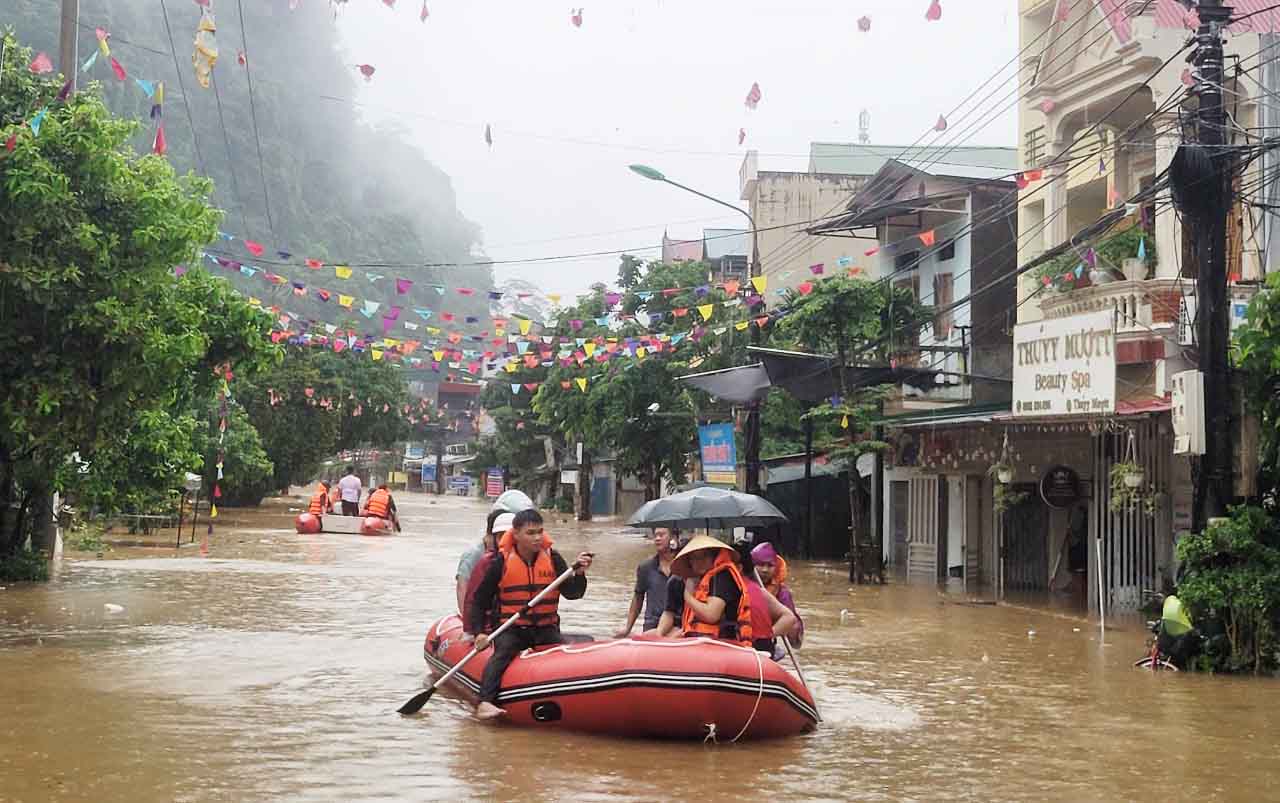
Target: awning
742, 385
967, 414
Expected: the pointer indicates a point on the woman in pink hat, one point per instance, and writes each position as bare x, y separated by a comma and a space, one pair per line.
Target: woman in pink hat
772, 570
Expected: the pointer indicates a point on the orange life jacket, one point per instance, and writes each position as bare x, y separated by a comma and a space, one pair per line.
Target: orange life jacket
319, 502
522, 582
733, 626
779, 576
380, 503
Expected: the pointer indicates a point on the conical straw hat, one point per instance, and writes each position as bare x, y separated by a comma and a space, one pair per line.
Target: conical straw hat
680, 566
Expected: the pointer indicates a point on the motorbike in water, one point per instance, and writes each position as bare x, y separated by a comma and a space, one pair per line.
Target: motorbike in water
1174, 639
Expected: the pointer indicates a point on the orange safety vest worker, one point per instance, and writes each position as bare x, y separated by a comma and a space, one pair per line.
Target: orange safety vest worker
521, 583
733, 626
319, 501
380, 503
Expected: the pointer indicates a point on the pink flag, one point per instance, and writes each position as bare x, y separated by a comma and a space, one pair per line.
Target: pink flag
742, 135
314, 264
805, 288
367, 70
864, 24
41, 64
423, 15
753, 97
159, 146
254, 248
935, 11
941, 125
1047, 105
403, 285
118, 70
576, 18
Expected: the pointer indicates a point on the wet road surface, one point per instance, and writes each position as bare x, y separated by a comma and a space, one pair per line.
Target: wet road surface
270, 669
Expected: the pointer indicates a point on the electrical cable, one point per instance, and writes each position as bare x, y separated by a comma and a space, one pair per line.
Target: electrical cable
253, 114
186, 99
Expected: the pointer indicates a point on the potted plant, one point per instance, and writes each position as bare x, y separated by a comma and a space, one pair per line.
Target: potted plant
1002, 471
1005, 498
1127, 481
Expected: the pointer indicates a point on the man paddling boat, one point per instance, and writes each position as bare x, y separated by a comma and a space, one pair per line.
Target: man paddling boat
524, 565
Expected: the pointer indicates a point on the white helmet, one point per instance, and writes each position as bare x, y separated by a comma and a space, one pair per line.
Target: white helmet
512, 501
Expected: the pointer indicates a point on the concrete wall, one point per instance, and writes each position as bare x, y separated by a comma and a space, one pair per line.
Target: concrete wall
793, 200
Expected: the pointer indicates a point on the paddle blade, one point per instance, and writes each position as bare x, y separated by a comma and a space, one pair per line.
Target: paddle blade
415, 703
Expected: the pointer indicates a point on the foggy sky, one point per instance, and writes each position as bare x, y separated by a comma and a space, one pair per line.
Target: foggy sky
660, 82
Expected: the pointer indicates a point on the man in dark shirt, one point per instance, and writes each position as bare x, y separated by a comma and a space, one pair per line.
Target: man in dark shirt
524, 565
650, 593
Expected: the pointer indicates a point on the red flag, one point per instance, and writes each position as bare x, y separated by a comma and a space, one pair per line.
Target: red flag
935, 11
753, 97
159, 146
314, 264
241, 58
927, 237
41, 64
742, 135
254, 248
11, 142
805, 288
118, 70
941, 125
1047, 106
389, 3
367, 70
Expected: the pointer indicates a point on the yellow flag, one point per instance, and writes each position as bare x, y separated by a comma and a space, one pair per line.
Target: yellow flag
760, 283
346, 300
582, 383
433, 330
524, 326
255, 302
343, 271
213, 511
438, 354
554, 298
844, 422
589, 347
640, 352
509, 368
740, 325
706, 310
377, 355
389, 342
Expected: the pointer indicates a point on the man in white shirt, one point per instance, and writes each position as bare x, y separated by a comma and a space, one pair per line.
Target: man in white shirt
349, 486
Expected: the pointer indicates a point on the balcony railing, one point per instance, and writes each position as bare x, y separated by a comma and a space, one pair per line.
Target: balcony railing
1140, 306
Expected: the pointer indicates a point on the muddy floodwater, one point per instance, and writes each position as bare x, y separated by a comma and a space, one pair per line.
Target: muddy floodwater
269, 667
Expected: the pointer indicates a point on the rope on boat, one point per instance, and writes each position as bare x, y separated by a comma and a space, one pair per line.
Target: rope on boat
711, 733
759, 696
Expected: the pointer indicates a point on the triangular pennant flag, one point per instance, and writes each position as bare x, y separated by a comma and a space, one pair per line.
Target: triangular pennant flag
817, 270
582, 383
805, 288
525, 325
706, 310
760, 283
346, 301
927, 237
342, 271
515, 388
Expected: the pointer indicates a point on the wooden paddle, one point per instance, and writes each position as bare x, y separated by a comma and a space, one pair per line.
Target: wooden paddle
415, 704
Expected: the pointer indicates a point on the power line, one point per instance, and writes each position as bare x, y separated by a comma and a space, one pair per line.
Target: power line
231, 165
186, 99
253, 113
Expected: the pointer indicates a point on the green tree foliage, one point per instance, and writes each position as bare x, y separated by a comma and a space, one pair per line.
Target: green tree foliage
630, 270
861, 323
323, 403
1257, 357
99, 341
1231, 581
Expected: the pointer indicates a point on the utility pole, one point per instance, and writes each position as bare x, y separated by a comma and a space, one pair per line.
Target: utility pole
68, 40
1214, 487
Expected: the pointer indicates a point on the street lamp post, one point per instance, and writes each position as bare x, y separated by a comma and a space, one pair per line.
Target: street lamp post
752, 435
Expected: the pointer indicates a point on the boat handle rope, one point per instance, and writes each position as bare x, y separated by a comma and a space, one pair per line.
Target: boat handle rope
759, 695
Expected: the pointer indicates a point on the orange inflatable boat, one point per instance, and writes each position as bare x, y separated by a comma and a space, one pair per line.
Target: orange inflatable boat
309, 524
689, 689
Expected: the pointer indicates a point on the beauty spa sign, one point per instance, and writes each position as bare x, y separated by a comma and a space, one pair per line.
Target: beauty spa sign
1065, 366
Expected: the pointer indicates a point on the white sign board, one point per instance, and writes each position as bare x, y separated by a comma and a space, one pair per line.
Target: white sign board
1065, 366
568, 477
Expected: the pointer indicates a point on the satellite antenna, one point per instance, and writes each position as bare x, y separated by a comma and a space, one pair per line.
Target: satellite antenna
864, 126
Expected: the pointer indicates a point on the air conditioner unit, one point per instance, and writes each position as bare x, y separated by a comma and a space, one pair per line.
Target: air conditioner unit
1188, 412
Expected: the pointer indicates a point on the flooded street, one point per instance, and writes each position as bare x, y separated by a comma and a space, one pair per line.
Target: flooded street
271, 669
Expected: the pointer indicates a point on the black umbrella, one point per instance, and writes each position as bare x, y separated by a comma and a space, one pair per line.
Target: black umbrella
709, 508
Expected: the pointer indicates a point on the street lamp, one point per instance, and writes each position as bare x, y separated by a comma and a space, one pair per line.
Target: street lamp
752, 434
653, 174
